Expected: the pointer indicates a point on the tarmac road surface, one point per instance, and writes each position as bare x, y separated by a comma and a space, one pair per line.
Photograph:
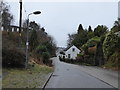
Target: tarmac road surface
73, 76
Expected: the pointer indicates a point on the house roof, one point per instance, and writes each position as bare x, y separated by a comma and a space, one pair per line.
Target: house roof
70, 47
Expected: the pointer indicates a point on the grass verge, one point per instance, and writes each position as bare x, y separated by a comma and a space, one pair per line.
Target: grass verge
33, 77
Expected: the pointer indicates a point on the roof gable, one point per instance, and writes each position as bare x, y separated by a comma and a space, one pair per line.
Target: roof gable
73, 46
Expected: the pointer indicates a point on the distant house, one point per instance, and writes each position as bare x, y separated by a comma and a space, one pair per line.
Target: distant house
62, 55
60, 52
72, 52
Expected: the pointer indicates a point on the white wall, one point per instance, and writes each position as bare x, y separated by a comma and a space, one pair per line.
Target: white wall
73, 55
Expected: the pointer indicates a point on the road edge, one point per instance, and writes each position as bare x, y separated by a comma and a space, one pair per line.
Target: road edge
44, 85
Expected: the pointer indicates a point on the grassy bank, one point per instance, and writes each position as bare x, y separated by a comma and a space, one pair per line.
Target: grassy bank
33, 77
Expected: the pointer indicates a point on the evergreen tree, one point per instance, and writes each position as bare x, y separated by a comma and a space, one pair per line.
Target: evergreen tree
80, 28
89, 29
100, 30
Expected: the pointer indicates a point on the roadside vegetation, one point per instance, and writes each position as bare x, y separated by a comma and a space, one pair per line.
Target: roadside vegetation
41, 45
34, 77
41, 48
100, 46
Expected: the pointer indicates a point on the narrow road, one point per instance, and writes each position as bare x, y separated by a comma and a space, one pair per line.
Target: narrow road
71, 76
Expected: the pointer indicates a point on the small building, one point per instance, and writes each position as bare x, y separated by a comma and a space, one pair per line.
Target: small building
72, 52
60, 52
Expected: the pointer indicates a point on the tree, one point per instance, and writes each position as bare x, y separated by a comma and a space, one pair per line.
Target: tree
42, 29
111, 44
99, 56
117, 23
100, 30
50, 45
34, 26
89, 29
71, 37
40, 49
80, 28
33, 40
80, 38
7, 17
90, 33
116, 26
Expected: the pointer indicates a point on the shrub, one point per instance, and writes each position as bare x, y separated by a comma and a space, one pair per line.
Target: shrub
110, 44
13, 58
12, 55
92, 50
85, 48
80, 58
40, 49
45, 56
93, 41
114, 59
80, 54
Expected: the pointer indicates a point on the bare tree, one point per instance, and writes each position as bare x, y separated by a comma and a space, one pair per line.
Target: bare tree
7, 17
71, 37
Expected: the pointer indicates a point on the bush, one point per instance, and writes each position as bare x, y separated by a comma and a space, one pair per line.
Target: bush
45, 56
80, 54
113, 61
13, 58
12, 55
85, 48
110, 45
93, 41
80, 58
40, 49
92, 50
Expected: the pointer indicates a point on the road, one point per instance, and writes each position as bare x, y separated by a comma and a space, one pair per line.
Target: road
73, 76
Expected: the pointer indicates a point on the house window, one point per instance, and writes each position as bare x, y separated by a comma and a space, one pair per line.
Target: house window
69, 56
73, 49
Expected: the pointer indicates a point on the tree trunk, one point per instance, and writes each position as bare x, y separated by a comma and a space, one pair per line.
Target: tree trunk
99, 57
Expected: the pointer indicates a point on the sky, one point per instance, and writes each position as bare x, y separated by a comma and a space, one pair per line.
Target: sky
63, 18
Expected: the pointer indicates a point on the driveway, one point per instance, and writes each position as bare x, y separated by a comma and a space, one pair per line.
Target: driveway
73, 76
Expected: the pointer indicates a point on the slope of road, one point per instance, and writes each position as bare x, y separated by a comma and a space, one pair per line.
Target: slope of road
105, 75
73, 76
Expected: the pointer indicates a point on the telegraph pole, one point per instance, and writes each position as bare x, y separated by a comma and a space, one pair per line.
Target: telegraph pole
1, 14
20, 21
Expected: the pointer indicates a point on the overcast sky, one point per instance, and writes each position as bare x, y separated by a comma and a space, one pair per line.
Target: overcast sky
62, 18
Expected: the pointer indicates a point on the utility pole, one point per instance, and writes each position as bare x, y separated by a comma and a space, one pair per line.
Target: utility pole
20, 21
1, 14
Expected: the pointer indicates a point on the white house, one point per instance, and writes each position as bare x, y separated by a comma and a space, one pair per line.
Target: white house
60, 49
72, 52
